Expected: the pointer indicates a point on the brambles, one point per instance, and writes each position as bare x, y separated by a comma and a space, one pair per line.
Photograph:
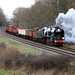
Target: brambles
43, 61
11, 57
7, 55
10, 53
8, 63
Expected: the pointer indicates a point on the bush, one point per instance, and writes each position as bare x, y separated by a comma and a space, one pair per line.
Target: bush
10, 53
43, 61
8, 56
19, 61
2, 50
8, 63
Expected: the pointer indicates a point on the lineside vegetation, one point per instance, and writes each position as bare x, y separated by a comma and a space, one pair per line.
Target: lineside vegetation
32, 63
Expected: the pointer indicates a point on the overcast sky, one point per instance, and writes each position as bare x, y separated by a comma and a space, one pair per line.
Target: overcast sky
9, 6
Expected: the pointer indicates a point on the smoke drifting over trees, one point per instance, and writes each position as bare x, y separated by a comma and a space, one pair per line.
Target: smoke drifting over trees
42, 13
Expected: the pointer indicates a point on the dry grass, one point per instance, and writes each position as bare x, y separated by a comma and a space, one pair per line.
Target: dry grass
35, 64
2, 50
7, 55
72, 46
24, 71
12, 55
44, 61
22, 48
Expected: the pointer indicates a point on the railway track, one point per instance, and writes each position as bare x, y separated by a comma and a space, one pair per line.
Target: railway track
58, 50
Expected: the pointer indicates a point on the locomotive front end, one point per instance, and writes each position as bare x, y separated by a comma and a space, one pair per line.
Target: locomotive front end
58, 38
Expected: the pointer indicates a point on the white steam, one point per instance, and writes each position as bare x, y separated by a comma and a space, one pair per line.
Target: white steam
67, 22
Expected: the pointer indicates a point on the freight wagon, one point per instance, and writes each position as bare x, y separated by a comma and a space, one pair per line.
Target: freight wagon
12, 29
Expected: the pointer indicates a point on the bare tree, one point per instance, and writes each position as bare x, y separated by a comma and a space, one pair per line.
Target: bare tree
42, 13
2, 18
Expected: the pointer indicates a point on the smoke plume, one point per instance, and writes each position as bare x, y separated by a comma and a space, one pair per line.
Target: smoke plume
67, 22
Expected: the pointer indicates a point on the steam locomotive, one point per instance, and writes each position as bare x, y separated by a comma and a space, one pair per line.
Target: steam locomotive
51, 35
47, 35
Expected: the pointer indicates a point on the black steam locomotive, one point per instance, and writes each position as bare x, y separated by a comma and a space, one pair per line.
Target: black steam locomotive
51, 35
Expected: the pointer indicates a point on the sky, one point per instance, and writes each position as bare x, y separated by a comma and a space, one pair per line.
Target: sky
9, 6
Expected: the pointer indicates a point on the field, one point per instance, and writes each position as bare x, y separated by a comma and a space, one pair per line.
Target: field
3, 72
21, 48
17, 59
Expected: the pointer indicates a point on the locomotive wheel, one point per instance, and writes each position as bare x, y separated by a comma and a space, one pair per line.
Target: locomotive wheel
44, 40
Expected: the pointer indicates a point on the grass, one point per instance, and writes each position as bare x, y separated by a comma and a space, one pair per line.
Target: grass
72, 46
22, 71
30, 61
22, 48
3, 72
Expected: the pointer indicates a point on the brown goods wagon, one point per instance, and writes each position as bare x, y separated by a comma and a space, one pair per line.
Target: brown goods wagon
9, 28
15, 29
35, 33
30, 33
27, 32
6, 27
